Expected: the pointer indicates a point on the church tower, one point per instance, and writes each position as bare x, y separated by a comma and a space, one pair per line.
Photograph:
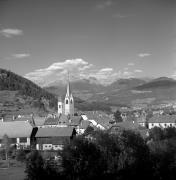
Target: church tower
69, 101
60, 106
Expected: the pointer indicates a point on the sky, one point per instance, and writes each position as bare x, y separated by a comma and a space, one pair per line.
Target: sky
101, 40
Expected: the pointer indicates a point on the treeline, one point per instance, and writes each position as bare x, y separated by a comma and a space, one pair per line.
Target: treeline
91, 106
121, 156
13, 82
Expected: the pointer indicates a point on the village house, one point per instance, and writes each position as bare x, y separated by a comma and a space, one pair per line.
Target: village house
128, 125
20, 133
162, 121
83, 126
53, 138
98, 119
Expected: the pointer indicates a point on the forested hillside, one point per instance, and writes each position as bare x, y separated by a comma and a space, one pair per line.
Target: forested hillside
17, 92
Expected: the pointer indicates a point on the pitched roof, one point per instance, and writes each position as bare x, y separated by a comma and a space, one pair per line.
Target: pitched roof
55, 132
84, 124
141, 119
15, 129
128, 125
51, 121
30, 119
163, 119
75, 120
100, 117
63, 119
39, 121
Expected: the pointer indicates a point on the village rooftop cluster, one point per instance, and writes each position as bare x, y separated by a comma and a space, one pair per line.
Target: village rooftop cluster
51, 132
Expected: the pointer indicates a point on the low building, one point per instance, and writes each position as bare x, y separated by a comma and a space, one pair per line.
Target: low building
53, 138
20, 133
83, 126
162, 121
99, 119
142, 121
127, 125
75, 121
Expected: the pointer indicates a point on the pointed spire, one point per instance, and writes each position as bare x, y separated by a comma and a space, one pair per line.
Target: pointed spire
68, 87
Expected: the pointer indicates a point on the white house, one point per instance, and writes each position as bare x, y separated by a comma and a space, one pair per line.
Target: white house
162, 121
53, 138
19, 133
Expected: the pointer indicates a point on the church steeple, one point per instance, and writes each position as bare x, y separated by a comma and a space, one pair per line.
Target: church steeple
68, 87
69, 101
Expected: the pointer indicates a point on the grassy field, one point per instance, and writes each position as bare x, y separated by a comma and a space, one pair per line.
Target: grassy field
14, 172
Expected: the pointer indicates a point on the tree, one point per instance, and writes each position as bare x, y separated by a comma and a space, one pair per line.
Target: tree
6, 144
122, 156
21, 155
82, 160
117, 116
88, 130
156, 134
35, 166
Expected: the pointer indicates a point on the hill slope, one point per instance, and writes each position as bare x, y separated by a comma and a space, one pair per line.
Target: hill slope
18, 95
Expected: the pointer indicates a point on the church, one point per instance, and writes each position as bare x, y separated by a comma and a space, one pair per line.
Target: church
65, 110
66, 107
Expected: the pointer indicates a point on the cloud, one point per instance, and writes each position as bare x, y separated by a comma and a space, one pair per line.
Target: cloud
78, 69
11, 32
20, 56
142, 55
138, 71
126, 69
130, 64
121, 16
104, 4
127, 74
106, 70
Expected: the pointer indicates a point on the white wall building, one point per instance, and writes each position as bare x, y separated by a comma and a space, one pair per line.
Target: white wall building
162, 121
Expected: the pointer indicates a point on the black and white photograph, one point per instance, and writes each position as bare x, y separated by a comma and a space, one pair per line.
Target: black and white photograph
87, 89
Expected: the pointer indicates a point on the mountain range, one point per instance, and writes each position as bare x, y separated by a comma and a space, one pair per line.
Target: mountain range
19, 95
127, 92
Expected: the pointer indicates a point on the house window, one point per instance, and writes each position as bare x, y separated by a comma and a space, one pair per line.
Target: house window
23, 140
13, 140
152, 124
66, 101
71, 101
59, 106
170, 125
165, 125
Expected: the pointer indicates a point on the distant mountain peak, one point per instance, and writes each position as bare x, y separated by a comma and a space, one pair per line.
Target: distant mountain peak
163, 79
